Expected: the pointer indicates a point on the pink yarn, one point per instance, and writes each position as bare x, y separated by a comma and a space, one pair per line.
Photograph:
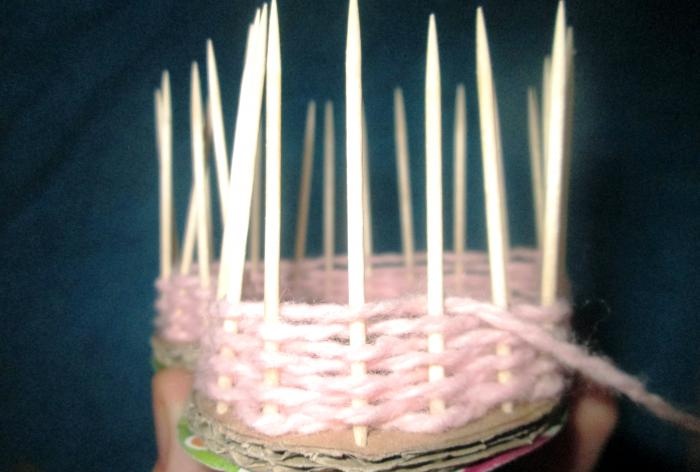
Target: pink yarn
596, 368
180, 308
316, 389
181, 304
314, 359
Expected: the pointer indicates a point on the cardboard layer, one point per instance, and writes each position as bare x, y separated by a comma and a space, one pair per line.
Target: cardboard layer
168, 354
493, 434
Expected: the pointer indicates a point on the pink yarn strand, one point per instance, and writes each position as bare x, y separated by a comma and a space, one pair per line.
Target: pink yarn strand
596, 368
314, 357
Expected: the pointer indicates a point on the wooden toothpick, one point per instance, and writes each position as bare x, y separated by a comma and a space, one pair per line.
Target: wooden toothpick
551, 253
305, 187
366, 195
190, 239
273, 152
207, 136
208, 205
535, 146
403, 172
233, 249
165, 152
247, 123
460, 178
492, 162
353, 142
433, 166
546, 89
256, 208
563, 284
328, 188
238, 137
216, 119
198, 170
165, 259
496, 213
188, 242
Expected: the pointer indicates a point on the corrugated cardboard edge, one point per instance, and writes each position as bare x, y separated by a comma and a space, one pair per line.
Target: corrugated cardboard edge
486, 437
169, 354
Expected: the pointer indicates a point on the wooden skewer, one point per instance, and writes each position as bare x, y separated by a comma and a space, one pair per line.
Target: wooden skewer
168, 139
208, 145
157, 106
207, 135
208, 207
254, 239
216, 119
495, 193
563, 285
433, 165
403, 171
501, 175
535, 144
164, 258
353, 143
197, 133
231, 326
460, 178
157, 111
239, 136
191, 237
187, 252
366, 195
165, 152
305, 187
168, 148
328, 188
245, 135
273, 140
546, 88
248, 121
555, 164
496, 213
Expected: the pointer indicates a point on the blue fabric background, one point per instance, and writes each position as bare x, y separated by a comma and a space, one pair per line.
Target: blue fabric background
79, 200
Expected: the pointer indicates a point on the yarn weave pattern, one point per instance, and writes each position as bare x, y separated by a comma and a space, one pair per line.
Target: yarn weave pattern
181, 307
313, 359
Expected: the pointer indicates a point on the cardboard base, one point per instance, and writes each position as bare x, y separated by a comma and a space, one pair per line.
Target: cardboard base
478, 441
167, 354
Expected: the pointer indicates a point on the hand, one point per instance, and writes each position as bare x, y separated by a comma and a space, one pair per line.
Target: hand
577, 448
171, 389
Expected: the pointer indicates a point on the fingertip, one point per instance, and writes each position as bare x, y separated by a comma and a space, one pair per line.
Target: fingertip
170, 390
596, 412
594, 416
172, 384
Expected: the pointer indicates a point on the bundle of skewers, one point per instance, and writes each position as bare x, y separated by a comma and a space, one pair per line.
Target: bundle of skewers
414, 361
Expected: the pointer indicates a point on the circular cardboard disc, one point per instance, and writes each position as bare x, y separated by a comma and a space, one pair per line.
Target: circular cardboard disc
482, 445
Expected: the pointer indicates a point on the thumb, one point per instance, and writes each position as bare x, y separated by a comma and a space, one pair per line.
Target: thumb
594, 417
171, 389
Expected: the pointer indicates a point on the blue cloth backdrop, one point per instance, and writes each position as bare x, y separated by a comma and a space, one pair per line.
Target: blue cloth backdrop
79, 198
